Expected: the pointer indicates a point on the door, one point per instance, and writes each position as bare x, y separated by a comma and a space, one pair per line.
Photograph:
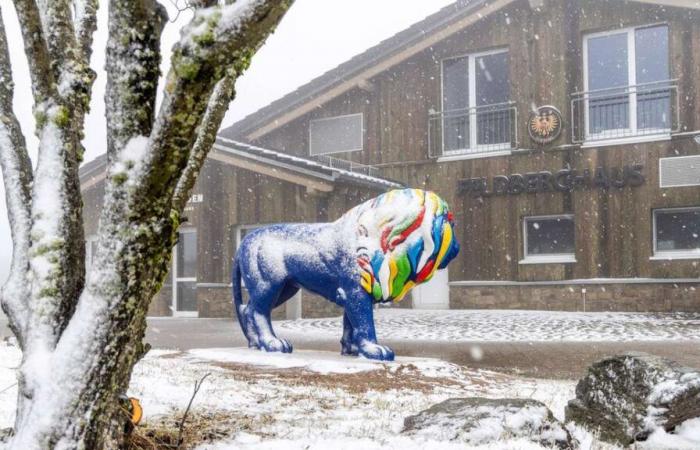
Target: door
435, 294
185, 275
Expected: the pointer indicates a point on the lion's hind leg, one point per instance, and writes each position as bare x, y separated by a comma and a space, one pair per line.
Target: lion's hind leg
258, 313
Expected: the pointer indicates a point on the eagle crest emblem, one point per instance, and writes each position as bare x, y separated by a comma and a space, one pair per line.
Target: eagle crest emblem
545, 124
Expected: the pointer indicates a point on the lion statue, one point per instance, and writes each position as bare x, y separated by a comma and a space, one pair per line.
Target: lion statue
376, 252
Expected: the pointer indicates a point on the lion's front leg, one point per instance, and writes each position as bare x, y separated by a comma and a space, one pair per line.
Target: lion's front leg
347, 343
360, 313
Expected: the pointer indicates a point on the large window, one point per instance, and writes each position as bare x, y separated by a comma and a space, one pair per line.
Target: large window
626, 77
677, 233
336, 134
549, 239
476, 113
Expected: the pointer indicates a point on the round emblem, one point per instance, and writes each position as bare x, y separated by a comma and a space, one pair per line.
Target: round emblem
544, 124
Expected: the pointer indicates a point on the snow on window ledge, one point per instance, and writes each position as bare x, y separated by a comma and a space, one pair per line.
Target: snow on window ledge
458, 156
548, 259
668, 256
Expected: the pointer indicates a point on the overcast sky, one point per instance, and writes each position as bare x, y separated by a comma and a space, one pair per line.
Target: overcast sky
315, 36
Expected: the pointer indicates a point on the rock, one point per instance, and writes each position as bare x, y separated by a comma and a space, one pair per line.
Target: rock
481, 420
5, 434
627, 397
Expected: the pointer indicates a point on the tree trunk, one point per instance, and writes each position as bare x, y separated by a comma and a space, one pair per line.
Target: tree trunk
80, 344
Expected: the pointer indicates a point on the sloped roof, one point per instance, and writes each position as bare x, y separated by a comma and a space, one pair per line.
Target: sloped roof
94, 171
295, 163
354, 66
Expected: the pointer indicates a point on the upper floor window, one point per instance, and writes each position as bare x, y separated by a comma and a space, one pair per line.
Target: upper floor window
628, 92
476, 113
336, 134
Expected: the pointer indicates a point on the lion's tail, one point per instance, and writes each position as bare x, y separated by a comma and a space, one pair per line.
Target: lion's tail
238, 295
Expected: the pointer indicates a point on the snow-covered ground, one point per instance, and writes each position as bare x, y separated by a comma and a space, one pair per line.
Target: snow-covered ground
320, 400
512, 326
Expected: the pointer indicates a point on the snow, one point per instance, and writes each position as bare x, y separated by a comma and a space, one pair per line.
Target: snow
325, 363
511, 326
130, 160
320, 400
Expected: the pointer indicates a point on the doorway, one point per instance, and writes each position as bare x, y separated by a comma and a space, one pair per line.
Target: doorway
184, 273
435, 294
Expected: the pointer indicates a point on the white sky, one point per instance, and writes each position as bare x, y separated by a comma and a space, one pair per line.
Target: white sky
315, 36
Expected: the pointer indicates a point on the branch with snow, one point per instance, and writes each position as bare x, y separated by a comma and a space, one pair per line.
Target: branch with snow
43, 83
80, 345
17, 174
85, 24
206, 135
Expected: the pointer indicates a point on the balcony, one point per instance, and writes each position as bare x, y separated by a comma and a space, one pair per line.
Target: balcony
627, 114
474, 132
344, 164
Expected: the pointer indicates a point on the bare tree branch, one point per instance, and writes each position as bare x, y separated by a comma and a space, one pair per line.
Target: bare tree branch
17, 174
85, 25
62, 82
206, 135
43, 83
133, 68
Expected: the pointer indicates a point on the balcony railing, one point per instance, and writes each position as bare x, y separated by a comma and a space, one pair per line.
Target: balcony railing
344, 164
649, 109
473, 131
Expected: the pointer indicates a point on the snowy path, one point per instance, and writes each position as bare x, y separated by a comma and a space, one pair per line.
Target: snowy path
512, 326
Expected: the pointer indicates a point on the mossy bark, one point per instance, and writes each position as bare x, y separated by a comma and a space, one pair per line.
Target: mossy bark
98, 331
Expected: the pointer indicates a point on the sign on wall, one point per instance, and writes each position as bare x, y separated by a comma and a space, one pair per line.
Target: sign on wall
564, 180
544, 124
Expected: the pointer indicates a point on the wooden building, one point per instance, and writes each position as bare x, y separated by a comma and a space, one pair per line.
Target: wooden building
564, 134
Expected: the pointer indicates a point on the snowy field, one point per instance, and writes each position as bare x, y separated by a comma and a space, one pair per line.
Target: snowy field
319, 400
512, 326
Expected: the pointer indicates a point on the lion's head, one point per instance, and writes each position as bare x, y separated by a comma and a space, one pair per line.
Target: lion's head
403, 237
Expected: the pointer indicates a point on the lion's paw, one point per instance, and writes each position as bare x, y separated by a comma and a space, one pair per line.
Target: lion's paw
349, 349
277, 345
376, 351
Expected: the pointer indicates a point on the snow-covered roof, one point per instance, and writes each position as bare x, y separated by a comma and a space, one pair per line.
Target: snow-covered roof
94, 171
303, 165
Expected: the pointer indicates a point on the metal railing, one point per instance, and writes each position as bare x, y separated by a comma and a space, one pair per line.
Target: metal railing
626, 112
343, 164
482, 129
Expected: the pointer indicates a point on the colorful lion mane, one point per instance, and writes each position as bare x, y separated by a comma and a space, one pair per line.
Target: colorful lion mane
403, 237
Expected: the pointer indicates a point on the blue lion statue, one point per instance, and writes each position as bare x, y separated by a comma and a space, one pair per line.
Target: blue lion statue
376, 252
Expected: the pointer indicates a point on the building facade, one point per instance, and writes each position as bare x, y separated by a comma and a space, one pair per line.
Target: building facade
565, 135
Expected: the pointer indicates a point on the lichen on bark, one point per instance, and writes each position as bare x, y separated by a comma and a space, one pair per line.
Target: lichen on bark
93, 336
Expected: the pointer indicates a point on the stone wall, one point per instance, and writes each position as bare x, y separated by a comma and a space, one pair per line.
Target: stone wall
666, 297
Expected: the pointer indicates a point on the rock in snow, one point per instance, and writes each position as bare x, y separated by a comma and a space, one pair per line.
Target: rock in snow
480, 420
628, 397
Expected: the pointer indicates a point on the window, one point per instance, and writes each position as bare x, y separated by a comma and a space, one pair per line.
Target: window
336, 134
677, 233
626, 78
549, 239
185, 274
476, 113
